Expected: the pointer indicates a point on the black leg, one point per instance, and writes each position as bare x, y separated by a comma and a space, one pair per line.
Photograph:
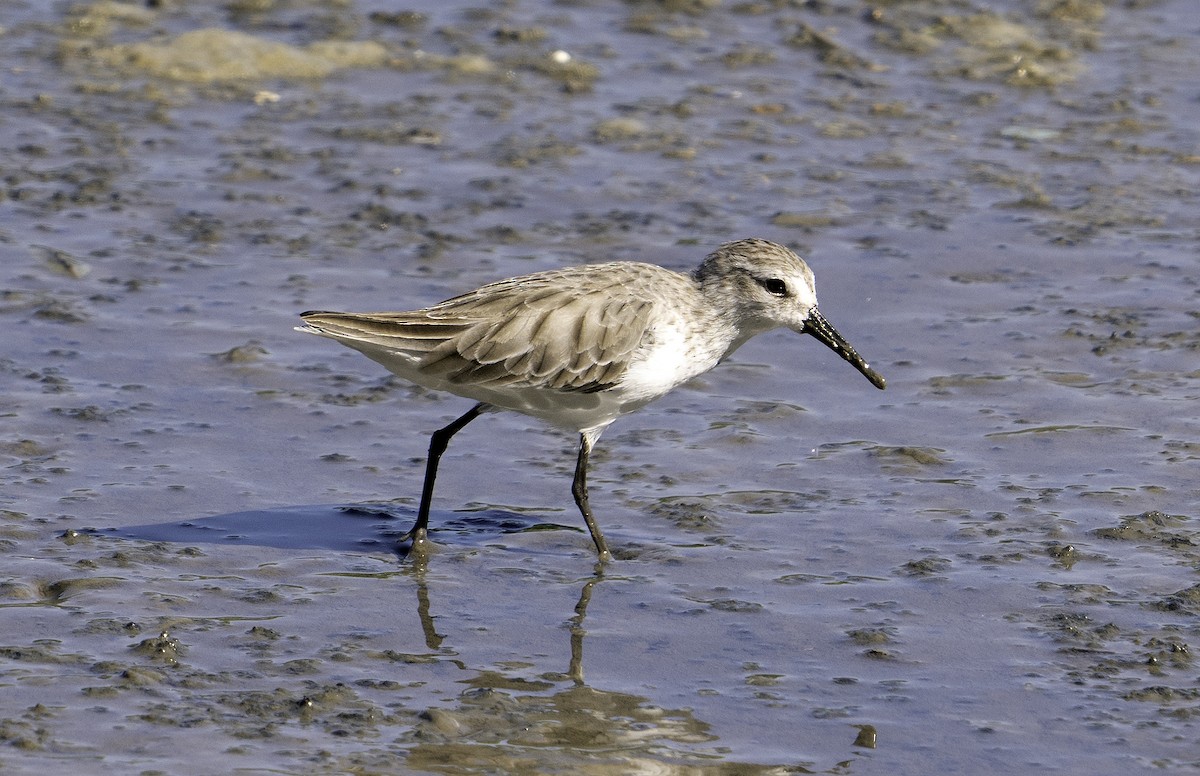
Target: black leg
580, 492
437, 446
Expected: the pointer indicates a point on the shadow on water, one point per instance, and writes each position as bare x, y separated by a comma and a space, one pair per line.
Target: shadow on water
363, 527
368, 527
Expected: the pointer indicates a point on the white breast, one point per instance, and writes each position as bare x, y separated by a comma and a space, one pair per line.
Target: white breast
668, 358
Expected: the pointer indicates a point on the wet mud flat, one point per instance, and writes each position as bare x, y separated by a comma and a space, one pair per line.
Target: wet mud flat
991, 567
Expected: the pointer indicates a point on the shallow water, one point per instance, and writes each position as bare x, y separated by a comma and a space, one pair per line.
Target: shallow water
990, 567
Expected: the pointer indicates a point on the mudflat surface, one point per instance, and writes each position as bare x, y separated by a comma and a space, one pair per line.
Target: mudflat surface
989, 568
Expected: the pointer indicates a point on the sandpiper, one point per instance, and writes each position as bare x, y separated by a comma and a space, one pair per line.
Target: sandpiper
581, 346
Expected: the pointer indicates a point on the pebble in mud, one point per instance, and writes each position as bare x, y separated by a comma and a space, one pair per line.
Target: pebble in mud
162, 647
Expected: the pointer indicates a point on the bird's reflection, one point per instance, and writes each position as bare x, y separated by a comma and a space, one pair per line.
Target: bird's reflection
556, 722
575, 625
550, 723
433, 639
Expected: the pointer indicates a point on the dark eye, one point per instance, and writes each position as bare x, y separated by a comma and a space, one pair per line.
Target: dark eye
775, 286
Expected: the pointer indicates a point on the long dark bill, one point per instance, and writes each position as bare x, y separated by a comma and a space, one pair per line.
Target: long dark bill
823, 330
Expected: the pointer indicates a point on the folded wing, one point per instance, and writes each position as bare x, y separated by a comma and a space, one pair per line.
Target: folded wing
529, 332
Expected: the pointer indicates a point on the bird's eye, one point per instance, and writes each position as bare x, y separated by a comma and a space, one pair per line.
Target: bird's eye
775, 286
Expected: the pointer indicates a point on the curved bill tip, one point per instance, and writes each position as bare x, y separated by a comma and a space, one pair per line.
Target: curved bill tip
876, 379
823, 330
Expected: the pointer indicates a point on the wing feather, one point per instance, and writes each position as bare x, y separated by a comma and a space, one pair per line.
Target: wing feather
566, 330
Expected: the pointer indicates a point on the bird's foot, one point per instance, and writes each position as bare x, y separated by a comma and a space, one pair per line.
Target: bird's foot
419, 546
